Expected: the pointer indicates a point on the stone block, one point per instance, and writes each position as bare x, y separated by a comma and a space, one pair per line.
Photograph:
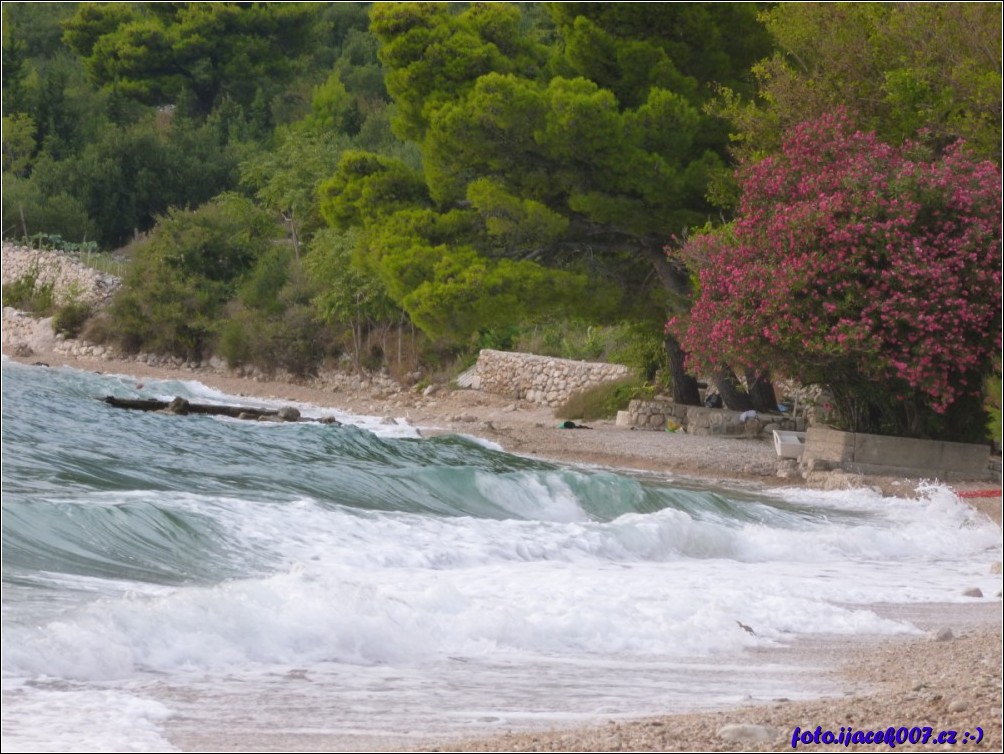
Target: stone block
825, 444
893, 456
900, 451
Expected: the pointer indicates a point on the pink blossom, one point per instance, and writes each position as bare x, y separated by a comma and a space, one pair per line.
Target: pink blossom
848, 261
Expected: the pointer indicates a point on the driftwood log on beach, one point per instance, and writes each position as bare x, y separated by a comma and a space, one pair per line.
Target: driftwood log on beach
182, 407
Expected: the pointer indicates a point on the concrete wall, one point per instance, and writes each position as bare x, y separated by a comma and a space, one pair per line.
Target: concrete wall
861, 453
540, 379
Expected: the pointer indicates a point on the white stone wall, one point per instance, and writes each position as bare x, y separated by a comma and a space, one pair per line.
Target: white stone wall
71, 279
541, 379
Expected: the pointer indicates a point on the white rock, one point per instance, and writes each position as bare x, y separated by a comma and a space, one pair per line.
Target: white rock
745, 732
944, 634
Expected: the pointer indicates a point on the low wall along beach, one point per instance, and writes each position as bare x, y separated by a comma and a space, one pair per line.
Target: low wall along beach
861, 453
542, 380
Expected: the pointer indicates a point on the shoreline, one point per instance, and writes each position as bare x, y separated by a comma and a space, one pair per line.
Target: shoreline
521, 428
885, 681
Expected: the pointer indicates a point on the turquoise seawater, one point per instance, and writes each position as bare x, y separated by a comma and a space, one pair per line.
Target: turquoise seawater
164, 574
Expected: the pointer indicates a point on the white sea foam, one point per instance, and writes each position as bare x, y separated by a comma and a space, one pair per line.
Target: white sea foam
387, 587
481, 441
60, 717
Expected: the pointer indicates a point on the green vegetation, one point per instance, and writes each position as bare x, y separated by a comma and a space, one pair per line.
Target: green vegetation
603, 401
929, 72
183, 275
70, 319
634, 345
993, 398
399, 184
27, 294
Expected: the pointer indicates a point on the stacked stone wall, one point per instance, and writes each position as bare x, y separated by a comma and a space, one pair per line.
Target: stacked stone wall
655, 414
542, 380
72, 281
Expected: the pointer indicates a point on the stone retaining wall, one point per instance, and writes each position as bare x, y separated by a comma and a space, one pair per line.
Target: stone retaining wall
698, 420
72, 281
652, 414
540, 379
828, 449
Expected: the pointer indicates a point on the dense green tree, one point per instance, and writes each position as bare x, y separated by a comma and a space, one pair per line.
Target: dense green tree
351, 300
333, 109
359, 67
582, 156
183, 274
285, 178
13, 69
135, 172
45, 82
927, 71
428, 261
18, 143
28, 211
206, 50
272, 323
434, 55
367, 188
628, 47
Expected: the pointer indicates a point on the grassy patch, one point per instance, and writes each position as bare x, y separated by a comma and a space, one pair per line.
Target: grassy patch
28, 295
603, 401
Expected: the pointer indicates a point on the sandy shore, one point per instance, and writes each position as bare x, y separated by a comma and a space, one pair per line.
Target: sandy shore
953, 683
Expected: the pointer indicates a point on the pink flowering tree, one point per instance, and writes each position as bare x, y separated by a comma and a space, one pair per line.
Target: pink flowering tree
871, 269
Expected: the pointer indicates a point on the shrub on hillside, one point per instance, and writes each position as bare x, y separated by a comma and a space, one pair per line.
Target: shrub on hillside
69, 319
184, 273
293, 340
28, 295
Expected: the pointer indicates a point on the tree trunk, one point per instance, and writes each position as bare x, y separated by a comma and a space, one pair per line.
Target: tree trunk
758, 395
761, 390
685, 390
761, 394
733, 395
674, 278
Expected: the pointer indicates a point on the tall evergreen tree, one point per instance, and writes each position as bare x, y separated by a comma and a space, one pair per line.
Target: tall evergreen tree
586, 154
